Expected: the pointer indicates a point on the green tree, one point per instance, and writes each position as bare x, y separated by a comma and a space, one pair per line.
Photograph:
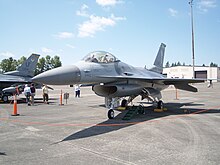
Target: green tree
21, 60
40, 68
56, 62
43, 64
178, 64
213, 64
47, 63
7, 65
167, 64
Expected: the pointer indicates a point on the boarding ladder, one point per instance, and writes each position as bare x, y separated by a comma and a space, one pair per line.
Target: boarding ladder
132, 111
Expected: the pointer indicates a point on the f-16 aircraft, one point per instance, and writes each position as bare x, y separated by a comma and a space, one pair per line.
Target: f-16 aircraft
113, 79
23, 74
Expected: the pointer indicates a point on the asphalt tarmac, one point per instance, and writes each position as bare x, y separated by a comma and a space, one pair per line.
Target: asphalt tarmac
79, 132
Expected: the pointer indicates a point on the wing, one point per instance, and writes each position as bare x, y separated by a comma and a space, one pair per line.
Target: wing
13, 79
177, 82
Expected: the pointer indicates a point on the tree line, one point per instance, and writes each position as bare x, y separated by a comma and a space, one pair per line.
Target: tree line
167, 65
44, 64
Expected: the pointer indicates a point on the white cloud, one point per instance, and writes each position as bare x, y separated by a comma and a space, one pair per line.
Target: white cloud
7, 54
82, 12
70, 46
173, 12
205, 5
117, 18
46, 50
64, 35
96, 23
108, 2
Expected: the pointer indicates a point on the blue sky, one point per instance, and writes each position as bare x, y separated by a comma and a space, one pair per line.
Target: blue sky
132, 30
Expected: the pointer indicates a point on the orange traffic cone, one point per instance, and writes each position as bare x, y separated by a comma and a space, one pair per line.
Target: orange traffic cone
61, 98
15, 106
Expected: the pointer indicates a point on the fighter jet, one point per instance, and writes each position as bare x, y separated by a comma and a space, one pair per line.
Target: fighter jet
23, 74
113, 79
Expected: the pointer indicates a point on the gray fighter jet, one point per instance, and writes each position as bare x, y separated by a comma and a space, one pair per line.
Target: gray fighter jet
24, 73
113, 79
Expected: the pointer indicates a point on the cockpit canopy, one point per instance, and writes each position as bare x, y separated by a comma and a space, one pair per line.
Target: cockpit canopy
100, 57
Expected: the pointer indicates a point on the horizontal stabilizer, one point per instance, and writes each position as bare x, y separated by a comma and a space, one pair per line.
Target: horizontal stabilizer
186, 87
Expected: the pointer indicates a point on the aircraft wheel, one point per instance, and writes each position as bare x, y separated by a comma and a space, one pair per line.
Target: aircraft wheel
111, 114
124, 103
160, 104
5, 98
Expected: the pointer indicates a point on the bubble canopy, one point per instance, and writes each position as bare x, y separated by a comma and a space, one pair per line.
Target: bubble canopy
100, 57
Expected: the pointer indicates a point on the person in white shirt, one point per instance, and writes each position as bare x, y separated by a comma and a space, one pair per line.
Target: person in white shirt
27, 93
45, 94
77, 90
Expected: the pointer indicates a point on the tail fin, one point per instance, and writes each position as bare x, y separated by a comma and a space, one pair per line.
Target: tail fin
27, 68
158, 63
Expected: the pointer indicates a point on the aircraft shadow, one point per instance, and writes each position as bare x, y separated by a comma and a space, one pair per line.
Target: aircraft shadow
3, 154
117, 123
36, 100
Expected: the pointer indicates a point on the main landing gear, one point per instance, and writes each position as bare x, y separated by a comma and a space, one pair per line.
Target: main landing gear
160, 104
111, 113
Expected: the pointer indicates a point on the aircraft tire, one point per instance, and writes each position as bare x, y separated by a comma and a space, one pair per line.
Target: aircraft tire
111, 114
124, 103
160, 104
5, 98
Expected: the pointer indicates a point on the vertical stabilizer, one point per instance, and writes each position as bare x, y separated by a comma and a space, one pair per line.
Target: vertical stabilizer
158, 63
27, 68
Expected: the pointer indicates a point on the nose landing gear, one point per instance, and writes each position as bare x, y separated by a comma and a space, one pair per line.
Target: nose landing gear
111, 114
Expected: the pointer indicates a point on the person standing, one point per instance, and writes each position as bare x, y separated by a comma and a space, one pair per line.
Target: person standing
45, 94
33, 91
27, 93
210, 84
77, 90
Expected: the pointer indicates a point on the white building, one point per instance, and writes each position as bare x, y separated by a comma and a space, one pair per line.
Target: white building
204, 72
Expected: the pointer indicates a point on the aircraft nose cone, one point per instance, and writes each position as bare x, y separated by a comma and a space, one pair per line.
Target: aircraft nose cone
59, 76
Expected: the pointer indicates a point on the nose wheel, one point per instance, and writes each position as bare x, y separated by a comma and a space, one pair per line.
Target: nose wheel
111, 114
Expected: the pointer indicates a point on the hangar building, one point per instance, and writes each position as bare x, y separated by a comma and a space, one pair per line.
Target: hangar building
204, 72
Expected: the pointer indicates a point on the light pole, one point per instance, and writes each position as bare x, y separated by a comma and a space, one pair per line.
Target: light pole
193, 53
